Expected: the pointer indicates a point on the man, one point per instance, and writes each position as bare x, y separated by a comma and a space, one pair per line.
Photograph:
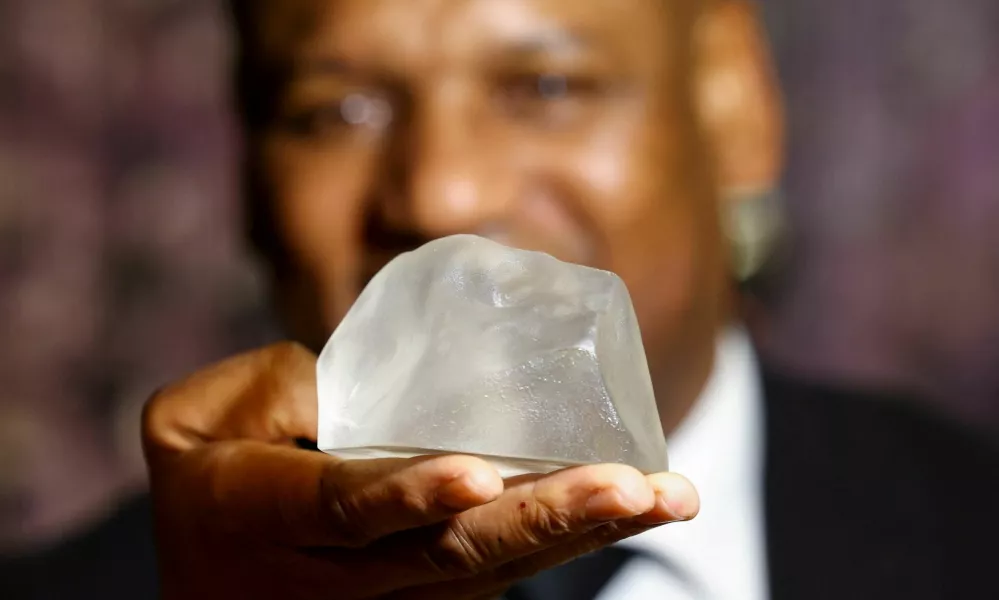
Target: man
617, 133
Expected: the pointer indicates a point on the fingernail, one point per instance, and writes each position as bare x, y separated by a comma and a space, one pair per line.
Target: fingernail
679, 497
613, 503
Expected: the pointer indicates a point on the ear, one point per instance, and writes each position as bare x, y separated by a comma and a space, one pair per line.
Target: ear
737, 98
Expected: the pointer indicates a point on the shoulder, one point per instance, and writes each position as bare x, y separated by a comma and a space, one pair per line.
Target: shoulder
900, 494
876, 429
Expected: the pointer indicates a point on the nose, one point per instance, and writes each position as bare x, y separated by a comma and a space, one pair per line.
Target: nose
446, 178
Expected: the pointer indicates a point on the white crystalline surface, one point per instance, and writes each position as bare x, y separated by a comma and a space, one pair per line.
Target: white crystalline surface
467, 346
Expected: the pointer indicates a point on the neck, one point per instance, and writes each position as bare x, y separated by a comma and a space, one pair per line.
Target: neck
680, 376
678, 388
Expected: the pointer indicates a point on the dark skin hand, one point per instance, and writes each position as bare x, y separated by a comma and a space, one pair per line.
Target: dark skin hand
242, 512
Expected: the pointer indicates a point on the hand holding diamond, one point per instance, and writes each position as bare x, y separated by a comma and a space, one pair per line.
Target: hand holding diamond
241, 511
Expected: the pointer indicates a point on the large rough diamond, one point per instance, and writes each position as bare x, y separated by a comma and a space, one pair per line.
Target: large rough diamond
467, 346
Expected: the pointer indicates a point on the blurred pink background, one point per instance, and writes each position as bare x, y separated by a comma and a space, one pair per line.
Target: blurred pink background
122, 263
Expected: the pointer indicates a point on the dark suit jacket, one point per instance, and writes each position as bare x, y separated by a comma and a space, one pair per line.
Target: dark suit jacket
866, 497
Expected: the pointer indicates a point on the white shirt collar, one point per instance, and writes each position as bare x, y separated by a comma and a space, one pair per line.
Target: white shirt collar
719, 447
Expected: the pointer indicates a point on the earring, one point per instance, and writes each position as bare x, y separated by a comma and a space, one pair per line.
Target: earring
753, 222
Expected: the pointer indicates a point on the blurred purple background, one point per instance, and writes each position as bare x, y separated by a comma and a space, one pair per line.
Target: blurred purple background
122, 266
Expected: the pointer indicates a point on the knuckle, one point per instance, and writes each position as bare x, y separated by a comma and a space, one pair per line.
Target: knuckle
547, 521
287, 353
411, 502
341, 513
156, 419
455, 554
152, 413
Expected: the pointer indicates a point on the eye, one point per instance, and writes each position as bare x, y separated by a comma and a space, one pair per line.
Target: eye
548, 86
361, 110
353, 112
552, 97
552, 87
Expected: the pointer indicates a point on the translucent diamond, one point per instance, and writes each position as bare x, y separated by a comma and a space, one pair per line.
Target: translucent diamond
467, 346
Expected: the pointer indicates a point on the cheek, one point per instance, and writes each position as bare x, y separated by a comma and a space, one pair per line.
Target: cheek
648, 228
634, 207
317, 197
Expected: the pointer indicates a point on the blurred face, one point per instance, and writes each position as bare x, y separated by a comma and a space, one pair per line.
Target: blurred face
564, 126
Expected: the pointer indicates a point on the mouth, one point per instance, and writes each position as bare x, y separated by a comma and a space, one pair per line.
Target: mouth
383, 242
540, 226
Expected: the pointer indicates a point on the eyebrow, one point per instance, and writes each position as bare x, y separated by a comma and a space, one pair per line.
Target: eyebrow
545, 42
331, 66
522, 47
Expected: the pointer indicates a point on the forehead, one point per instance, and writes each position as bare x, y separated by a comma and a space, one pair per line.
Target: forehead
420, 34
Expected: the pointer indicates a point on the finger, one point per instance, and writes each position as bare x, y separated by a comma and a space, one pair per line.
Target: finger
371, 499
530, 516
510, 573
676, 501
267, 395
299, 498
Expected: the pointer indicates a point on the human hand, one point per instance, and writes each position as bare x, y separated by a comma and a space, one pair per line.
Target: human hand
242, 512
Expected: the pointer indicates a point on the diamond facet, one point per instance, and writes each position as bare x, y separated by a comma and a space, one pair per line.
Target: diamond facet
467, 346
